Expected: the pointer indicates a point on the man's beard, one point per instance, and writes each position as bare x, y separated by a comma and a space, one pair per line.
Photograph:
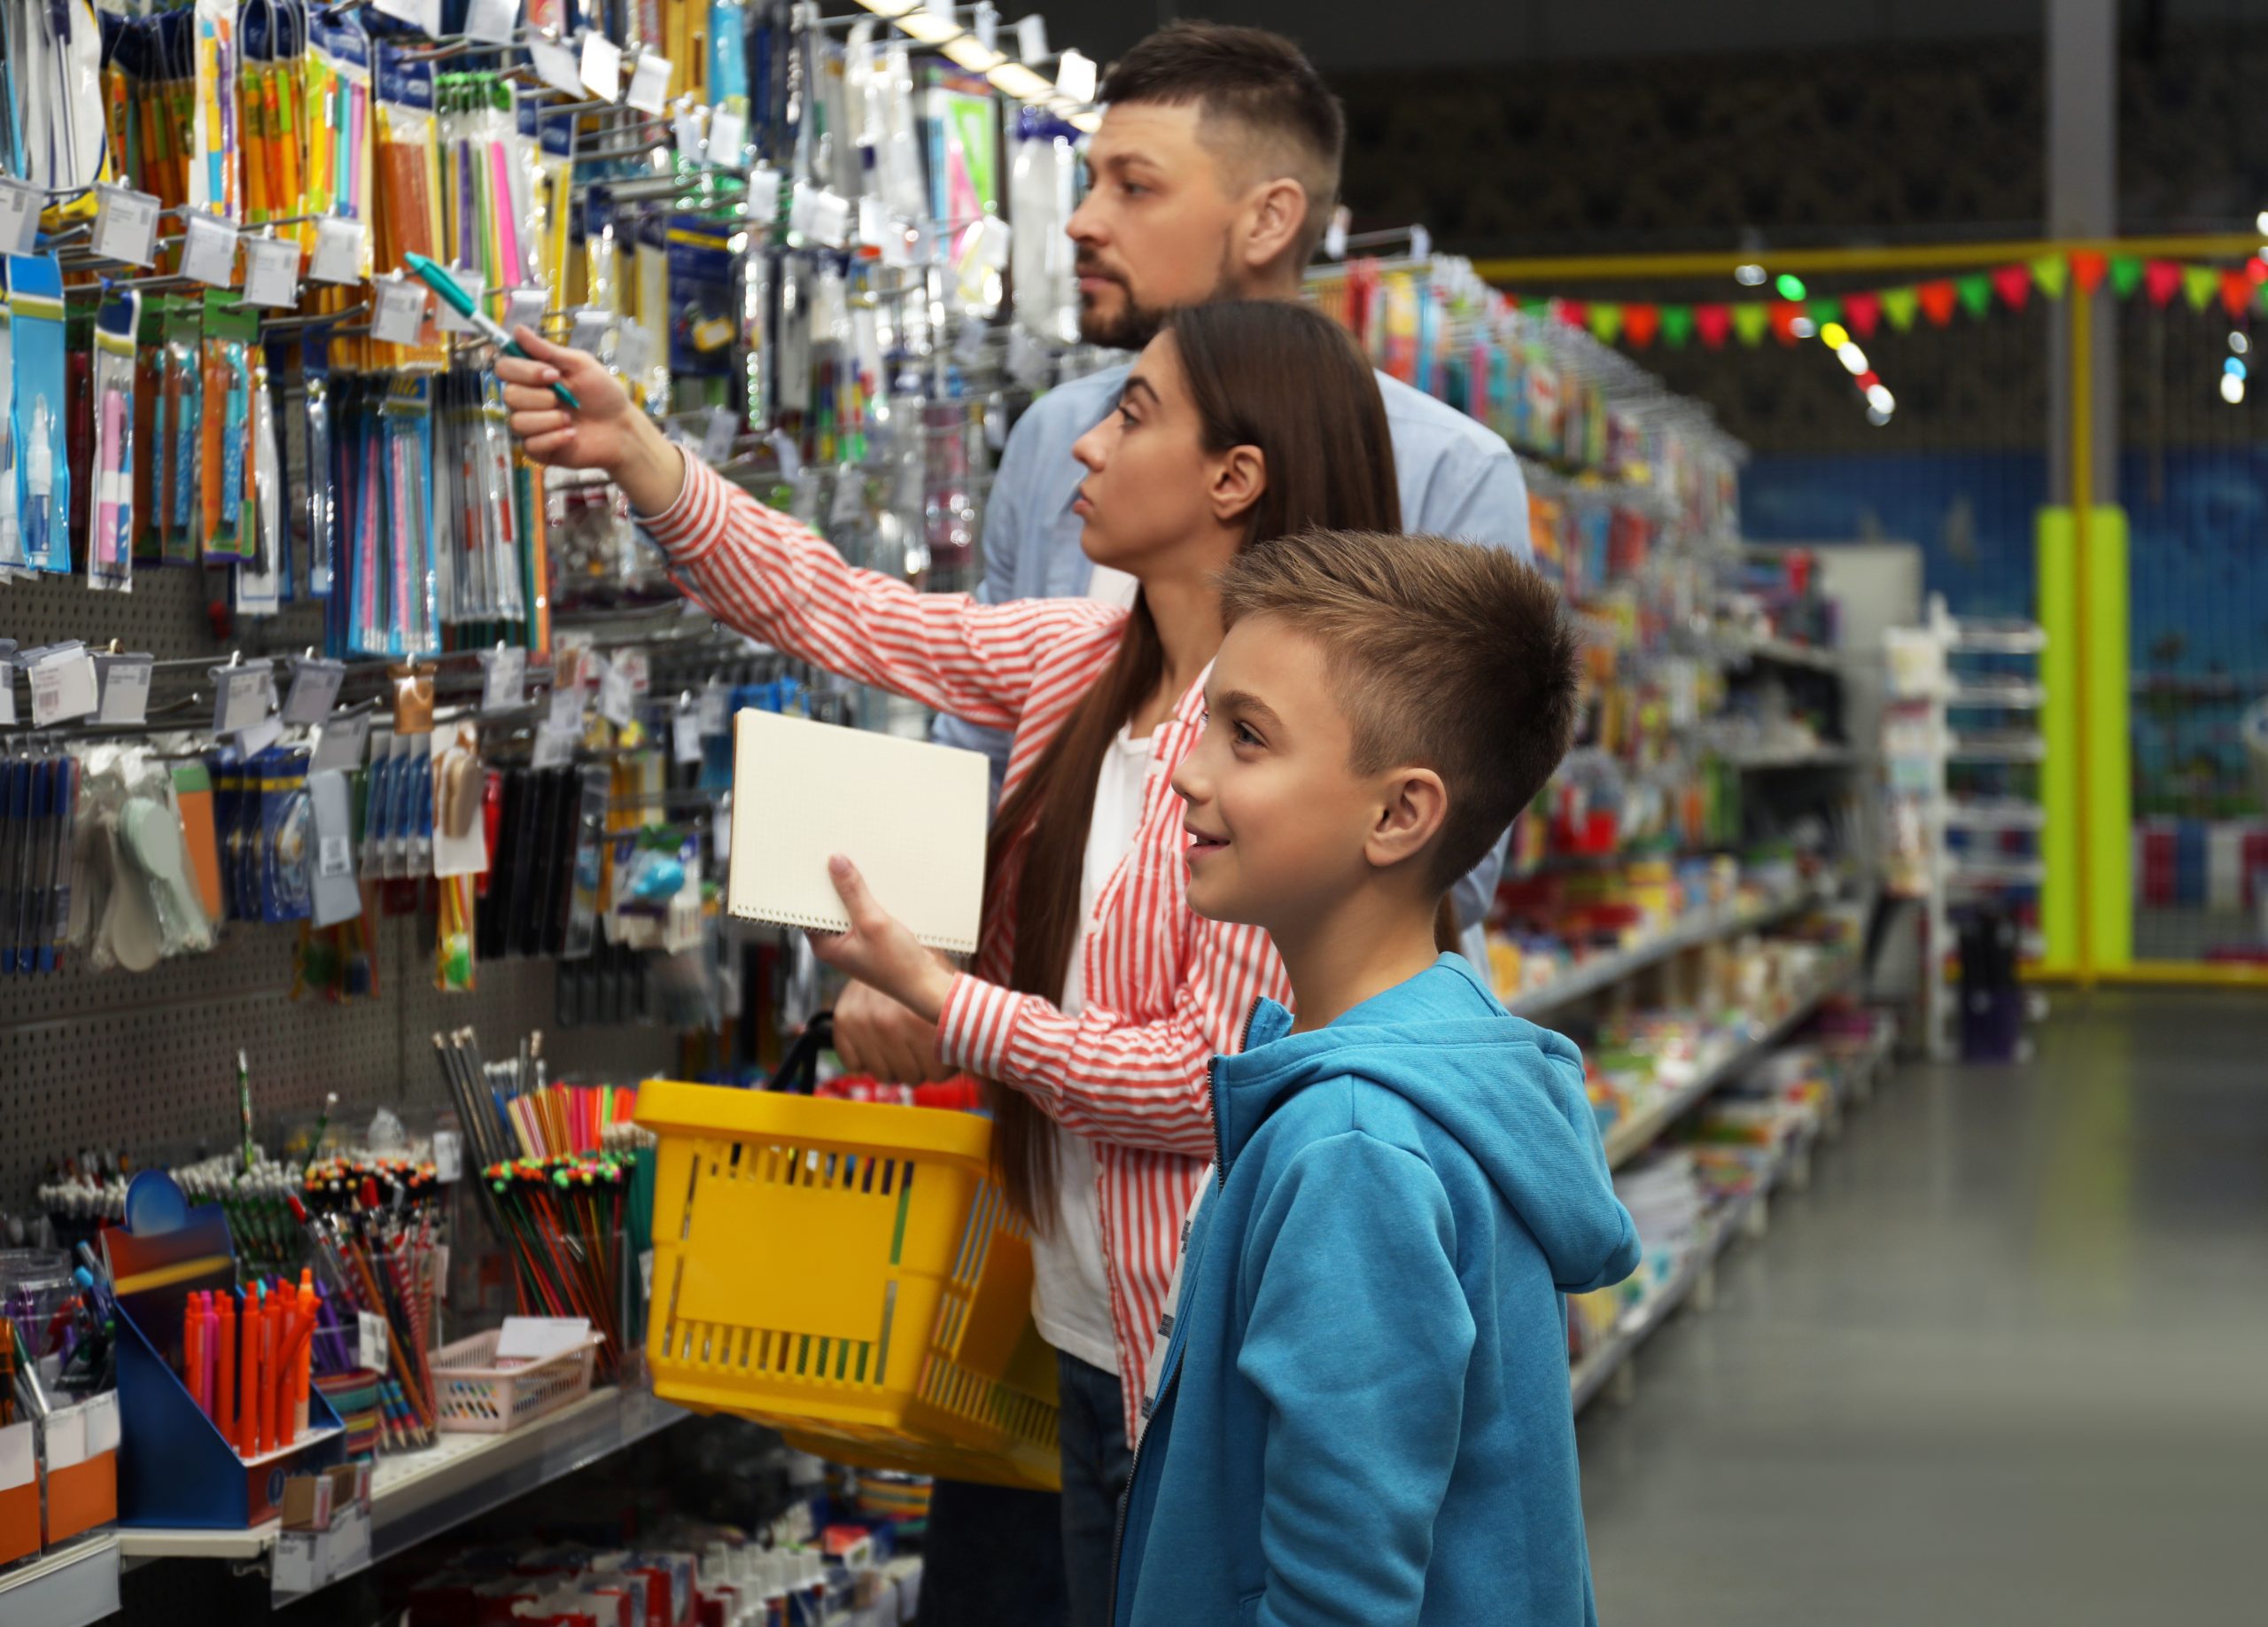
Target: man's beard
1131, 327
1136, 324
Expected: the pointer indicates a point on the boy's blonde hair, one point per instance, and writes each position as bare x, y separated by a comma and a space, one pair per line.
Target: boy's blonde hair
1445, 655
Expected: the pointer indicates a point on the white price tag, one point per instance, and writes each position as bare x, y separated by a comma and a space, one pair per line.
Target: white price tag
21, 203
650, 83
338, 256
716, 710
566, 714
591, 325
531, 1338
717, 435
618, 701
554, 748
63, 685
341, 743
126, 225
633, 347
555, 65
400, 312
292, 1570
821, 216
424, 15
994, 241
66, 1437
1074, 75
350, 1543
240, 696
101, 1424
602, 64
728, 139
491, 19
125, 689
259, 736
523, 309
763, 193
335, 855
373, 1341
448, 1155
473, 284
1031, 40
7, 694
689, 127
638, 667
684, 736
271, 272
503, 680
314, 692
873, 223
210, 254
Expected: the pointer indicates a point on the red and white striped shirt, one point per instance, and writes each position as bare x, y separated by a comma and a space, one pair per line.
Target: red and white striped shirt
1165, 990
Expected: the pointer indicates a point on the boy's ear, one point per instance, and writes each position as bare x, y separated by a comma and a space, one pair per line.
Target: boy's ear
1410, 814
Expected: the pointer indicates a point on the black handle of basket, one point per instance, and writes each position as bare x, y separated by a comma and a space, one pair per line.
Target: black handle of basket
798, 1070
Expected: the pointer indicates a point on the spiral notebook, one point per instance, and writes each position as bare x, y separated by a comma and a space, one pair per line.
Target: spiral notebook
911, 816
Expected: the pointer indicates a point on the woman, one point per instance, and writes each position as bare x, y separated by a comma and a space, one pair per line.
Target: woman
1098, 999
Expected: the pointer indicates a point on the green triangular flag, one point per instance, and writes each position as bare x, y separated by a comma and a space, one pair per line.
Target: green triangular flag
1537, 308
2125, 275
1975, 292
1750, 321
1606, 322
2201, 284
1823, 311
2048, 274
1677, 324
1900, 305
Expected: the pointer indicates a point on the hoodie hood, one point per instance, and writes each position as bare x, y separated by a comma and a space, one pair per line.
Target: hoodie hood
1509, 1093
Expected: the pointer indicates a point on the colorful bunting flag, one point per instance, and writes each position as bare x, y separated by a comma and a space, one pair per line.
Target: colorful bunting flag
1785, 314
2236, 291
2088, 269
1899, 304
1937, 301
2200, 284
1862, 311
1677, 325
2013, 284
1640, 323
1606, 322
1823, 311
1749, 320
2160, 280
2127, 277
1574, 313
1976, 290
2049, 273
1713, 323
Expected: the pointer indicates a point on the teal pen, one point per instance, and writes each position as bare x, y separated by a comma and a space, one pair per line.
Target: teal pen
437, 277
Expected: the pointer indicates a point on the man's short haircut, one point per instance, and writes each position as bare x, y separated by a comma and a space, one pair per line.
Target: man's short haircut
1445, 655
1252, 78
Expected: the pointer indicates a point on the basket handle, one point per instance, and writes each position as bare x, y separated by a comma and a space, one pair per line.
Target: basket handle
798, 1070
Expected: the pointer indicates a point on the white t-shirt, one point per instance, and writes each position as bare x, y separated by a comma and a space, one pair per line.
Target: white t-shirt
1071, 1294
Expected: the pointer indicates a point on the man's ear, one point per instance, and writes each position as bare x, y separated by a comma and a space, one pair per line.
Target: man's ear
1276, 212
1239, 480
1410, 812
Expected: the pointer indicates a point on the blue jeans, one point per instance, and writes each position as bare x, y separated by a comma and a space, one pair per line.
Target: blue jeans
1096, 1463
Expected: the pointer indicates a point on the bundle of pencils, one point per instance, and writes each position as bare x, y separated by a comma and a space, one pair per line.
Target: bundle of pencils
510, 1110
562, 1220
376, 1227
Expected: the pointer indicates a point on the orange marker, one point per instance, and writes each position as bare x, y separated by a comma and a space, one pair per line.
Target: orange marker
192, 1351
247, 1373
224, 1370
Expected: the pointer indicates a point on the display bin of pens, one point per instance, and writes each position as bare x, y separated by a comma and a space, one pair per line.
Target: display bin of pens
476, 1394
850, 1273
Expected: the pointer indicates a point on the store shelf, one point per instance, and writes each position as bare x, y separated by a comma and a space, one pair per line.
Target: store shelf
1705, 927
417, 1495
74, 1587
1981, 637
1813, 757
1966, 871
1626, 1139
1781, 652
2011, 694
1997, 814
1995, 749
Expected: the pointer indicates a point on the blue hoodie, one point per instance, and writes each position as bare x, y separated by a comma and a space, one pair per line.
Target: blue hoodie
1361, 1414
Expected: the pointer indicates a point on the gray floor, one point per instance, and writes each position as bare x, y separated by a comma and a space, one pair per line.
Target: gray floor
2006, 1362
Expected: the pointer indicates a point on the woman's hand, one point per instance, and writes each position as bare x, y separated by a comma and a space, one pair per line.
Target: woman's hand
607, 433
878, 950
874, 1034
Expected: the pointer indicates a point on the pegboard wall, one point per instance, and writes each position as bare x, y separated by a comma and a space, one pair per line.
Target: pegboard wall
146, 1065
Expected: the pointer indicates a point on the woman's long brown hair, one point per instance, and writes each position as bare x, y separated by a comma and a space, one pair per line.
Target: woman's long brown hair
1262, 373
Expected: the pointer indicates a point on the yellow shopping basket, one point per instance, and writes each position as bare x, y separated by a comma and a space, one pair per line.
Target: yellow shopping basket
850, 1273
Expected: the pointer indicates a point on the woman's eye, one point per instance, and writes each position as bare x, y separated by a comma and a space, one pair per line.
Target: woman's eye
1125, 418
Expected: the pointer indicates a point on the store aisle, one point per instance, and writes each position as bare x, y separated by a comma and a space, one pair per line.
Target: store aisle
2006, 1362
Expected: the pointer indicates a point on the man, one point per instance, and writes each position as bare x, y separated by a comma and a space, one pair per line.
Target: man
1214, 176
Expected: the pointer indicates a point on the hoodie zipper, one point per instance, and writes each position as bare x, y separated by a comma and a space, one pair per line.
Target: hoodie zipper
1173, 1367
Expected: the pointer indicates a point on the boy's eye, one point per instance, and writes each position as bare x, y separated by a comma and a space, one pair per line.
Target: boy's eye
1244, 736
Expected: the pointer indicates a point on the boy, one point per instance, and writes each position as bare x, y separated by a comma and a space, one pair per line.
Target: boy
1360, 1413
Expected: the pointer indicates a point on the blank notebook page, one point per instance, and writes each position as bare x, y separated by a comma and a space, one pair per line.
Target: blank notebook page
910, 815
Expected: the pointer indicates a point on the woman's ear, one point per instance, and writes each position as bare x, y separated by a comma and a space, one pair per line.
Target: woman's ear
1410, 812
1239, 477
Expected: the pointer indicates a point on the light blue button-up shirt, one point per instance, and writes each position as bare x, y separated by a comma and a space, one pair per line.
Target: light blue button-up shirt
1457, 478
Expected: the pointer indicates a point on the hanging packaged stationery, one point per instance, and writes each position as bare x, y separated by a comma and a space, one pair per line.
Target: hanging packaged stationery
175, 483
36, 421
315, 483
286, 844
702, 293
215, 170
408, 424
458, 797
224, 430
13, 565
110, 501
339, 157
408, 181
1043, 189
54, 126
263, 580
